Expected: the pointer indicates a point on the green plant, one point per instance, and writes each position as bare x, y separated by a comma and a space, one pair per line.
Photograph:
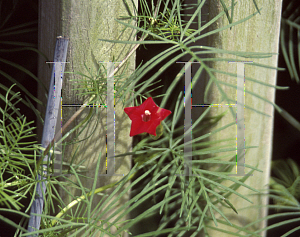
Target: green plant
190, 202
168, 153
14, 130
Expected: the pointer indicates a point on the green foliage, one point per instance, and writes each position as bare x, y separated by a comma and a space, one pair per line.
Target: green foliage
284, 191
189, 202
165, 25
290, 48
17, 152
159, 132
286, 183
94, 85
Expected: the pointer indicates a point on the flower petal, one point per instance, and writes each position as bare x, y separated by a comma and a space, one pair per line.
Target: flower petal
137, 113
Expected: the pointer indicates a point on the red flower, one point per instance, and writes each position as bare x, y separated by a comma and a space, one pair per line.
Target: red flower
146, 117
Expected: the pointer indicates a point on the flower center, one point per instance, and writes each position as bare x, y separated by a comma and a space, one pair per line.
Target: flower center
147, 116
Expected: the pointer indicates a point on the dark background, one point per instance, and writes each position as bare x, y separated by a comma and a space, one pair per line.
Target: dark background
286, 143
23, 11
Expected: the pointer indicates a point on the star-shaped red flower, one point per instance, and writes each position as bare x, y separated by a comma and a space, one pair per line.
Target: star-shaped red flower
146, 117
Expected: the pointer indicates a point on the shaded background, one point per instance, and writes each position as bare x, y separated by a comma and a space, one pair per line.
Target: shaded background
286, 143
13, 14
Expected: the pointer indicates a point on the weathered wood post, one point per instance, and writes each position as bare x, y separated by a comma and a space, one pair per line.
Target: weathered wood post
84, 22
259, 34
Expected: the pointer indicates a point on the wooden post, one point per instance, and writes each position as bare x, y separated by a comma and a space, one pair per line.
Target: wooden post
259, 34
84, 22
50, 125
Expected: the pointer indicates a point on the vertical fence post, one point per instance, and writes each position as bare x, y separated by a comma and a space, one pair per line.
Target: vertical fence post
53, 104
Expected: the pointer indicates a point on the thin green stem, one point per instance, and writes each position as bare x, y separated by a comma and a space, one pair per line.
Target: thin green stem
75, 202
